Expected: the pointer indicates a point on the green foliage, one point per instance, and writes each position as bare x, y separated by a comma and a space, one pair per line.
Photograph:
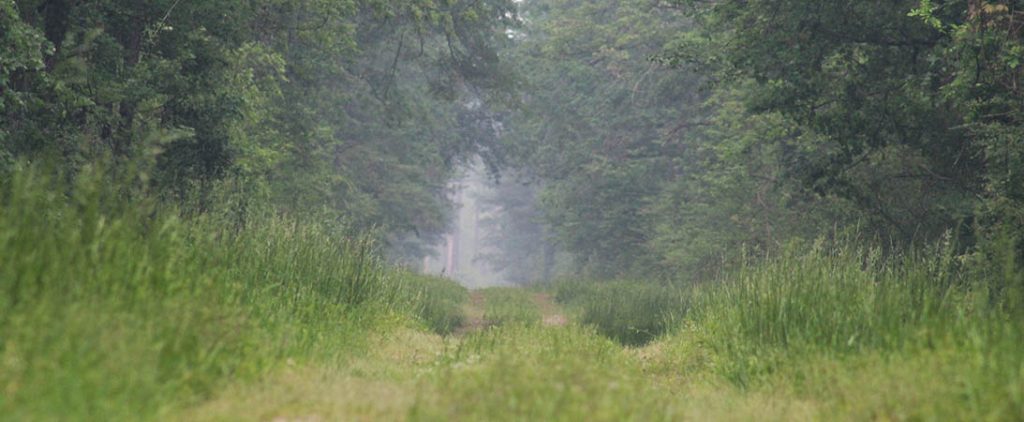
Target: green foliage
24, 48
593, 126
781, 120
735, 195
225, 177
117, 310
983, 54
878, 109
926, 11
847, 128
353, 110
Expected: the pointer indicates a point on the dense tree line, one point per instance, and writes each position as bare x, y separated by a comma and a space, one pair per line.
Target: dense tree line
345, 110
670, 135
635, 137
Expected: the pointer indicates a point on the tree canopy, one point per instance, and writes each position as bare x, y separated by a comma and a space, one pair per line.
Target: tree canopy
632, 136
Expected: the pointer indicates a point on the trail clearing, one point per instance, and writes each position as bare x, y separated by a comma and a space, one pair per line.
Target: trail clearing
558, 370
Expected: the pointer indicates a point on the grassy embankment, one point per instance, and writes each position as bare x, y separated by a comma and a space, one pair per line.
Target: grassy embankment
123, 314
834, 333
111, 311
816, 335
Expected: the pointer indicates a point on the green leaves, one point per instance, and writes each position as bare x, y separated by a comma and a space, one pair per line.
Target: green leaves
593, 125
327, 107
783, 118
926, 12
24, 47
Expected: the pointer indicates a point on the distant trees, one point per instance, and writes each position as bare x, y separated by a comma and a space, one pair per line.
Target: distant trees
350, 110
661, 135
898, 106
778, 119
516, 240
594, 120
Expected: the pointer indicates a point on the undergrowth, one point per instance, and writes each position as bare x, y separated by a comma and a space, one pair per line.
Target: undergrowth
504, 306
119, 310
844, 301
839, 324
437, 301
630, 312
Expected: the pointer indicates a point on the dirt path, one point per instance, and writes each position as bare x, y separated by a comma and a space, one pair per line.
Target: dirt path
551, 312
474, 310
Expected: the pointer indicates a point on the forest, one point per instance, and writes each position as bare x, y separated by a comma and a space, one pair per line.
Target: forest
678, 210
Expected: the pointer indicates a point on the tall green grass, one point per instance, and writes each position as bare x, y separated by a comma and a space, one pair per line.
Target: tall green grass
838, 301
839, 324
530, 372
630, 312
119, 310
505, 306
436, 301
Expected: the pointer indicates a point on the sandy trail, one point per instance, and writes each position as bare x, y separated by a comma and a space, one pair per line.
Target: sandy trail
551, 312
474, 310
